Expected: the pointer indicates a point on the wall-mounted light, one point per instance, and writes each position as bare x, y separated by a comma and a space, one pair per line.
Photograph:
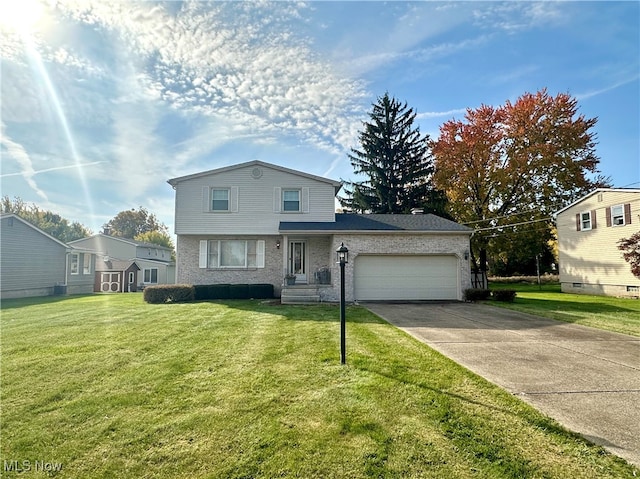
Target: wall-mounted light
278, 244
466, 256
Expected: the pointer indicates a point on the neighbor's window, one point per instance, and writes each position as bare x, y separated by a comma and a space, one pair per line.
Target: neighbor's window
151, 275
86, 264
219, 199
75, 263
585, 220
291, 200
617, 215
233, 254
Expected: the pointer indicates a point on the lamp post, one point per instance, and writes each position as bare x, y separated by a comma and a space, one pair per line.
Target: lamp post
343, 258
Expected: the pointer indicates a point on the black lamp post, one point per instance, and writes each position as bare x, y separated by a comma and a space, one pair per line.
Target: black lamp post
343, 258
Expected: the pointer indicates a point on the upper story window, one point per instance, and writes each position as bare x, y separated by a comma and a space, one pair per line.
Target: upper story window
291, 200
585, 220
220, 199
617, 215
75, 263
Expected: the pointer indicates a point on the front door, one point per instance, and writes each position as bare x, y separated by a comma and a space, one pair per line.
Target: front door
298, 260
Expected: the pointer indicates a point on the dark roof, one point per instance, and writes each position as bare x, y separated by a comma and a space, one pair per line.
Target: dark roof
116, 265
377, 222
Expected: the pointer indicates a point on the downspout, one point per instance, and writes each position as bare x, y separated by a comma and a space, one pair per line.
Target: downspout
66, 266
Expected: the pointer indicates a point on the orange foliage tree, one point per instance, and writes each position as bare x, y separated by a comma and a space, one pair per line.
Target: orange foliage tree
506, 169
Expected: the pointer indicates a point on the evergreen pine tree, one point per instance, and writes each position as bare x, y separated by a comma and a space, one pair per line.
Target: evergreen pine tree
396, 160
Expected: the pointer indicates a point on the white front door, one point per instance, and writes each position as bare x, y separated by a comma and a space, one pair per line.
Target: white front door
298, 260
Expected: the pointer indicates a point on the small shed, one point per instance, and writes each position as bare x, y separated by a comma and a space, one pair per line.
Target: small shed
116, 276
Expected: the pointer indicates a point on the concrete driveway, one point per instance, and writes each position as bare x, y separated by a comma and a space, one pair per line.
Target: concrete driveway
585, 378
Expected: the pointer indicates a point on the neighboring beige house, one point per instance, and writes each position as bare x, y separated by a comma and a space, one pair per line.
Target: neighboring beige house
256, 222
34, 263
127, 265
588, 233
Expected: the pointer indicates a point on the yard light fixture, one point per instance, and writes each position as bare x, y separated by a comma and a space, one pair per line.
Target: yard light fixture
343, 258
278, 244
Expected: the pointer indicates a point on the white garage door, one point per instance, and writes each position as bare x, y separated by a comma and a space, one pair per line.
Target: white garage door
390, 277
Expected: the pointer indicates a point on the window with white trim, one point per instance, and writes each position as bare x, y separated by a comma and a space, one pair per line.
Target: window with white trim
75, 263
86, 264
150, 275
220, 199
585, 220
232, 254
291, 200
617, 215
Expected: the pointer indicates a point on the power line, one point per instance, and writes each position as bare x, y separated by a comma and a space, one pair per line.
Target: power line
499, 217
512, 224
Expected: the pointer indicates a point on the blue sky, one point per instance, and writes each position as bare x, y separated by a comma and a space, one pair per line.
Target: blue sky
102, 102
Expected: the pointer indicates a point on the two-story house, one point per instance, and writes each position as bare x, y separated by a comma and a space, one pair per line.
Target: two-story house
256, 222
34, 263
588, 233
127, 265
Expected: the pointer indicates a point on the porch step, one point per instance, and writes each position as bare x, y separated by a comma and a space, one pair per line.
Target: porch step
299, 295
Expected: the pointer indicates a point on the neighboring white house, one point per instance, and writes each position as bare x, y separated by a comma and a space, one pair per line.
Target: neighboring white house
588, 233
256, 222
34, 263
115, 270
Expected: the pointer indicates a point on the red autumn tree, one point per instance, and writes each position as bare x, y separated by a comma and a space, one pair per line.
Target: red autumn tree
631, 252
517, 163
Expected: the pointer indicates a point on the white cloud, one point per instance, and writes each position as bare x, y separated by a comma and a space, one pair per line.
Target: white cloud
440, 114
17, 153
237, 60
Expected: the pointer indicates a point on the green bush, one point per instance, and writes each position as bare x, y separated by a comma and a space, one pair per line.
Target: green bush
506, 295
211, 291
261, 291
239, 291
169, 293
201, 292
476, 294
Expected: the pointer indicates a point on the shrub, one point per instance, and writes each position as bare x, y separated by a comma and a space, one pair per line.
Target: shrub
506, 295
169, 293
239, 291
476, 294
211, 291
261, 291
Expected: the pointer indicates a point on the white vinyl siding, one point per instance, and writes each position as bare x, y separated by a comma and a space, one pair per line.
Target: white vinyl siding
592, 257
231, 254
258, 209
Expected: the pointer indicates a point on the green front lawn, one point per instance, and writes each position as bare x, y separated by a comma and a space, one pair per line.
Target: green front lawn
109, 386
613, 314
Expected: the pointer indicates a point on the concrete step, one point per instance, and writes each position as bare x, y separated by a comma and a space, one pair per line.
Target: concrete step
300, 299
299, 295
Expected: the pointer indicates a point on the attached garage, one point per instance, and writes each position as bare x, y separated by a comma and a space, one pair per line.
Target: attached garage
406, 277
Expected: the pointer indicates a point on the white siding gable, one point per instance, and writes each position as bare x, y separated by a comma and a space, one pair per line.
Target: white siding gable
256, 205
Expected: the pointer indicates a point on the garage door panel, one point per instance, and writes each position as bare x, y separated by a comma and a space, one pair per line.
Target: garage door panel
406, 277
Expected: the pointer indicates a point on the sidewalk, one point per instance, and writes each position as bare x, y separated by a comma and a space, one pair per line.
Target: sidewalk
587, 379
